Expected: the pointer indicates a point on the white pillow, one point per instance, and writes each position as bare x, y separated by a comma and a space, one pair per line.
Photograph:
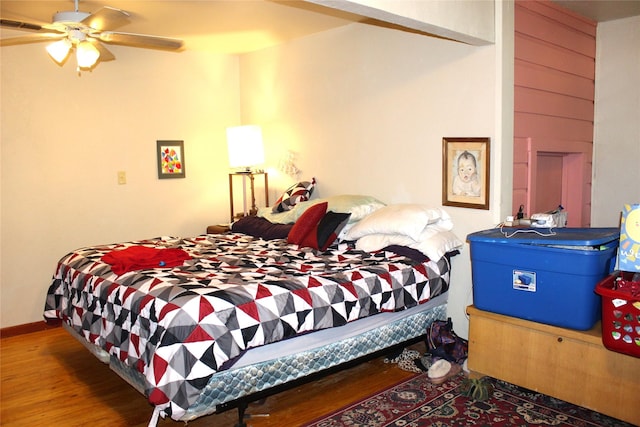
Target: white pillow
358, 206
404, 219
434, 246
375, 242
439, 244
286, 217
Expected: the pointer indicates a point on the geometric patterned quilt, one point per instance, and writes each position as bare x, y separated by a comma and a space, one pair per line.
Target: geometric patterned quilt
180, 325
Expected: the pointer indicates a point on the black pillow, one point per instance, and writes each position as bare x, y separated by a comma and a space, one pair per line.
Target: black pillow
329, 228
413, 254
257, 226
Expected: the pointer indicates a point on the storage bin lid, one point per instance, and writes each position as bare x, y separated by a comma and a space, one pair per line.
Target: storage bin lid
547, 236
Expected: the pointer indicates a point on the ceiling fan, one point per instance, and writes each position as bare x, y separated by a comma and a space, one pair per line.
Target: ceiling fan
84, 32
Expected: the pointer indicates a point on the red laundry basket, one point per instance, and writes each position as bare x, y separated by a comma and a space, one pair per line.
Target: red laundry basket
620, 313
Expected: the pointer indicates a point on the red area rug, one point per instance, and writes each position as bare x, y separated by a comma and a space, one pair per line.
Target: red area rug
417, 403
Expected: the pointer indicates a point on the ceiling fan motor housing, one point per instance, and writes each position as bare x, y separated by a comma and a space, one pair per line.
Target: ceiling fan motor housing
69, 17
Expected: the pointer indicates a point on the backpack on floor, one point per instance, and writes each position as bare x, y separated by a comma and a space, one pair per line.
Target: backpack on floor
443, 343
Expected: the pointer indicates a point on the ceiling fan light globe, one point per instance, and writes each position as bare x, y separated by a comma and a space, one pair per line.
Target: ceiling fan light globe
59, 50
86, 54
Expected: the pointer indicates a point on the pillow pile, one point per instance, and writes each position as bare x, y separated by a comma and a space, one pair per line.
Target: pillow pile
316, 228
357, 205
405, 219
295, 194
415, 226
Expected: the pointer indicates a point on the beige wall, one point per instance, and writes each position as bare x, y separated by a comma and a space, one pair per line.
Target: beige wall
64, 137
616, 171
366, 109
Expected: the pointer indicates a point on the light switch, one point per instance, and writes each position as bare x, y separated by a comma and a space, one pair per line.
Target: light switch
122, 177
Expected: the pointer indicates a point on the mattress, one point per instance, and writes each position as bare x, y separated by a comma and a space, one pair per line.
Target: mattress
179, 327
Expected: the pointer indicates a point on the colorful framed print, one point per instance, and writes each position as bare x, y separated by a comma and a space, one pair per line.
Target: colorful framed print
170, 159
465, 172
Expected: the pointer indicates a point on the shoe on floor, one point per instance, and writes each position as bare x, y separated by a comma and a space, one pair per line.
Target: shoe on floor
442, 370
417, 365
406, 354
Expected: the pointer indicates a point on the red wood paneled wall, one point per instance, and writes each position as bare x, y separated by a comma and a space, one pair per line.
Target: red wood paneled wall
553, 122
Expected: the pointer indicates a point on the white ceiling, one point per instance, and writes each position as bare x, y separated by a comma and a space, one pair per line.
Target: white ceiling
224, 26
236, 26
602, 10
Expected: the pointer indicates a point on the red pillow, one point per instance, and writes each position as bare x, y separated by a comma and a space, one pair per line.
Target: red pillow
307, 223
326, 232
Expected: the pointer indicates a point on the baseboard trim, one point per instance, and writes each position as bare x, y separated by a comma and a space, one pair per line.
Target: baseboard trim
27, 328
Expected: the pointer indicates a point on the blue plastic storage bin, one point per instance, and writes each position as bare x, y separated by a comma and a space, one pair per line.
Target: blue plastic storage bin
548, 279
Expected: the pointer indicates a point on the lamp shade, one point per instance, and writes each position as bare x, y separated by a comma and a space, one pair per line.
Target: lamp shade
245, 146
59, 50
86, 54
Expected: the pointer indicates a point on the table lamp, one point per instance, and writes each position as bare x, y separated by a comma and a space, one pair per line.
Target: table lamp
245, 147
245, 151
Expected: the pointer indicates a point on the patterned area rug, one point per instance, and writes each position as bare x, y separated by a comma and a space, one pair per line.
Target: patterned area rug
417, 403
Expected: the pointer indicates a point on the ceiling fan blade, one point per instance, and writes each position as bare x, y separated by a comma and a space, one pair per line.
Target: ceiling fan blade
105, 54
29, 26
31, 38
107, 18
20, 25
139, 40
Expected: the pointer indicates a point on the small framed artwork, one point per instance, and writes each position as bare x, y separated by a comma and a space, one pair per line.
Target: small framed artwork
170, 159
465, 172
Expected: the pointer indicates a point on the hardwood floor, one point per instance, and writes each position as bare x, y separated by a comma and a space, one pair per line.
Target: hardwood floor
49, 379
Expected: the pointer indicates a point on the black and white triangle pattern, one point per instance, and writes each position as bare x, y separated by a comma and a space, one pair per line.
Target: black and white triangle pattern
178, 326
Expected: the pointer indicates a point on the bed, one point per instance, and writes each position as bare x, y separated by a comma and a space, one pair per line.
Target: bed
198, 324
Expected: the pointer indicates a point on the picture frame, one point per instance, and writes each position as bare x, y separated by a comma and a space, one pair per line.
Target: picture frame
170, 157
465, 172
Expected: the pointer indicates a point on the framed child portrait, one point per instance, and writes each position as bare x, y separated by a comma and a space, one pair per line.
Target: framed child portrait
465, 172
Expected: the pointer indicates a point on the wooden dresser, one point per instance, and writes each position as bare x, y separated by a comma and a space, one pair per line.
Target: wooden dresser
567, 364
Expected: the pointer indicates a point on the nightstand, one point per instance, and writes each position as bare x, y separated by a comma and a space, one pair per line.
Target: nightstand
218, 229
